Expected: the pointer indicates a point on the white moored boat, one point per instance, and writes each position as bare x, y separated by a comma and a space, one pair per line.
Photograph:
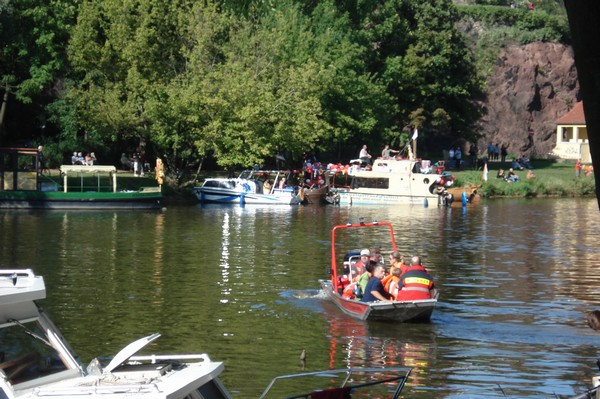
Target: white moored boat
36, 361
249, 188
395, 181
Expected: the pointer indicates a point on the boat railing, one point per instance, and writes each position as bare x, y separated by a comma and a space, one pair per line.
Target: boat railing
121, 389
150, 189
203, 357
347, 380
85, 170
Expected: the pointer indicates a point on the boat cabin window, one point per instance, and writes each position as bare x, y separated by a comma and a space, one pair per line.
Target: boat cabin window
26, 354
362, 182
211, 390
18, 169
229, 184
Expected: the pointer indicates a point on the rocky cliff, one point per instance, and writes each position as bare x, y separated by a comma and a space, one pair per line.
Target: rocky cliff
531, 86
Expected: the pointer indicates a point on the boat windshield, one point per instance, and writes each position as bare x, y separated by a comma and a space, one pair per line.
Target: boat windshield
26, 353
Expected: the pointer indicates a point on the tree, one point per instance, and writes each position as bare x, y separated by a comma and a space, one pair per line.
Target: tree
418, 52
33, 36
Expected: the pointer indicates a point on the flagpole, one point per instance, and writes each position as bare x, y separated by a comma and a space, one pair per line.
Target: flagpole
414, 142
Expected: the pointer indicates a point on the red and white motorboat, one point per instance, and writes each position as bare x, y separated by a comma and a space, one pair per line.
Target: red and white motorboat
341, 266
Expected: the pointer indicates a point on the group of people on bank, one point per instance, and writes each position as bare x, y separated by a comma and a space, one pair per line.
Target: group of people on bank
372, 281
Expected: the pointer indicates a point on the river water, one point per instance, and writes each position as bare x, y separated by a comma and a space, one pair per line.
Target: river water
517, 278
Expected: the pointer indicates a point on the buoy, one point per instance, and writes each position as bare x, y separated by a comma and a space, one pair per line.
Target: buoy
426, 203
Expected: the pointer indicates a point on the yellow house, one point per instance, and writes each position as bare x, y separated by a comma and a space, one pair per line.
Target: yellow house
572, 136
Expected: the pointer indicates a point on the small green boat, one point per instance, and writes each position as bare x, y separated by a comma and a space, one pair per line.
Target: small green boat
24, 186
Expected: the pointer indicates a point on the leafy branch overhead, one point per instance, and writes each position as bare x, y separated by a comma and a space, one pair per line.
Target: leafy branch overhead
241, 81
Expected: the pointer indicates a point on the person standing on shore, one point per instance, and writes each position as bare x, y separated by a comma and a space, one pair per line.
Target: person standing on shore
578, 168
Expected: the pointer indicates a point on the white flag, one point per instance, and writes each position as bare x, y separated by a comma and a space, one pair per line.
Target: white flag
415, 134
485, 172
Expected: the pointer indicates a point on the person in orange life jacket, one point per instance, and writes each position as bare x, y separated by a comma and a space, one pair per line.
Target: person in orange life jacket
396, 262
374, 290
391, 287
358, 268
415, 283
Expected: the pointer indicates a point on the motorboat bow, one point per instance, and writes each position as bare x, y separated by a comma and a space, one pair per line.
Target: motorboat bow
36, 361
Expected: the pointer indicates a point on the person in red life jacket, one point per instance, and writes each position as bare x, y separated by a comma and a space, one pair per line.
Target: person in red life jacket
358, 268
415, 283
374, 290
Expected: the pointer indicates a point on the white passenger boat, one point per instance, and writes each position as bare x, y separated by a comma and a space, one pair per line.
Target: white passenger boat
36, 361
395, 181
250, 187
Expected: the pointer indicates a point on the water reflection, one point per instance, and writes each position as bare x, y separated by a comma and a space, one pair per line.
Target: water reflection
242, 284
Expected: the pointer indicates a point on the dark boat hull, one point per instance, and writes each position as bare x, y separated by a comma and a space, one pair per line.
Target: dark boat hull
316, 195
400, 312
81, 200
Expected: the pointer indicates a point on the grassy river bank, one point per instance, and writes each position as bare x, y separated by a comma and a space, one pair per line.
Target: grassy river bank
552, 179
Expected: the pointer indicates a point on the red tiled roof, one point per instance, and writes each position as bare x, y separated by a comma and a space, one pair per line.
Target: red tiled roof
574, 116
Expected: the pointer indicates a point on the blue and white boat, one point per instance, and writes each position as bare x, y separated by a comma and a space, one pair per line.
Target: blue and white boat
250, 187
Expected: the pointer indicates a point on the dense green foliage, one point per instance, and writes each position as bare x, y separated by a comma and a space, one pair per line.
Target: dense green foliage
505, 25
240, 81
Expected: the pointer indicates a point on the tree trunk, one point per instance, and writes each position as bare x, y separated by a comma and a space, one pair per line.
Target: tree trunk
3, 110
583, 19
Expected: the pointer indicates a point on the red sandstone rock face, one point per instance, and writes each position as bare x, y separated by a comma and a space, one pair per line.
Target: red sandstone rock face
531, 86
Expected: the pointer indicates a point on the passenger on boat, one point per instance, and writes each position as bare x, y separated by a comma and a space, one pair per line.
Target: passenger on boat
374, 290
386, 153
391, 287
365, 157
376, 255
415, 283
397, 262
366, 276
267, 187
358, 268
